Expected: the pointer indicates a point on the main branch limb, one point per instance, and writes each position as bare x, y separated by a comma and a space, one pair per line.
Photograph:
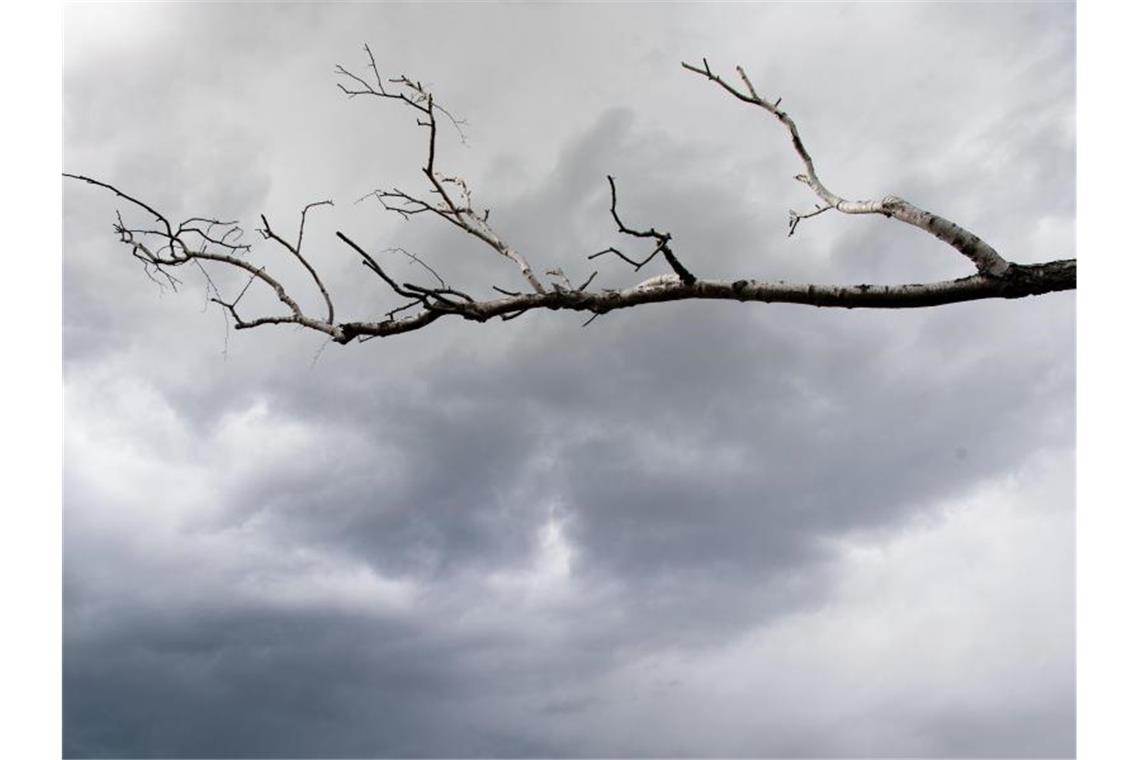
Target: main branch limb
1019, 282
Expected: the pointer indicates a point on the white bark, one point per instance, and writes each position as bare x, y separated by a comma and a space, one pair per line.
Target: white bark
985, 258
200, 241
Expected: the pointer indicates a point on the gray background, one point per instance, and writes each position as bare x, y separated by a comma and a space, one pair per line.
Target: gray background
688, 529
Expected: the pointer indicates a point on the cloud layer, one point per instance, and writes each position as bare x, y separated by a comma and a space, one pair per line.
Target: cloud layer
688, 529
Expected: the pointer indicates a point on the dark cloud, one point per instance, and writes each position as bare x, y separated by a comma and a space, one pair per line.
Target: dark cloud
533, 538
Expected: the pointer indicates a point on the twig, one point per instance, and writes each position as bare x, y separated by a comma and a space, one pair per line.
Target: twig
662, 239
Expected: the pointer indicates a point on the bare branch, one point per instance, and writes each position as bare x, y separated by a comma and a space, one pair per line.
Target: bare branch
304, 211
371, 264
190, 243
637, 265
795, 217
268, 233
209, 242
985, 258
662, 238
456, 210
157, 216
419, 261
1019, 282
589, 279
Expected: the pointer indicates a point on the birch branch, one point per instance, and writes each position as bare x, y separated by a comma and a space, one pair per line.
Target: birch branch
162, 247
1019, 281
985, 258
191, 244
454, 204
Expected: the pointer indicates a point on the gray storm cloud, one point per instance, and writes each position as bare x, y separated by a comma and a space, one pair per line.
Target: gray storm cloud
687, 529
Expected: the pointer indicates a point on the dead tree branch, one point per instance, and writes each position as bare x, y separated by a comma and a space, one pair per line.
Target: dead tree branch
985, 258
189, 243
454, 204
662, 239
161, 246
268, 233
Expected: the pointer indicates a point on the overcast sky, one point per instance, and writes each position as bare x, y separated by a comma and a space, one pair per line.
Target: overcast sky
696, 529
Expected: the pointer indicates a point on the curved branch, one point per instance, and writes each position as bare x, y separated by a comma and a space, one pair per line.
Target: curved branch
985, 258
157, 216
182, 252
268, 232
